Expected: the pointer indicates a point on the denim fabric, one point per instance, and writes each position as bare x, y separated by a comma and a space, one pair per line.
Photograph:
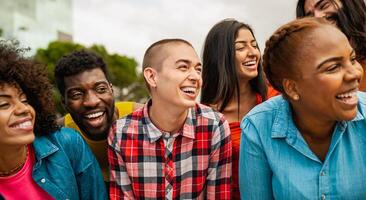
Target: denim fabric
276, 162
66, 168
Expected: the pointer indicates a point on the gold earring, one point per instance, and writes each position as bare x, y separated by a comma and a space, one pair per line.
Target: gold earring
296, 97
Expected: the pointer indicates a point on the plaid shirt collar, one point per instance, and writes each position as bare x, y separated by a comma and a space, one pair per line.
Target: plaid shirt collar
155, 133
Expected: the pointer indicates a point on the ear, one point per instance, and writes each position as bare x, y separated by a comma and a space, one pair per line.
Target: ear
150, 75
291, 89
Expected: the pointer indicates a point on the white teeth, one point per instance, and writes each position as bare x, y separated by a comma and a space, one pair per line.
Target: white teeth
346, 95
189, 89
23, 124
252, 62
94, 115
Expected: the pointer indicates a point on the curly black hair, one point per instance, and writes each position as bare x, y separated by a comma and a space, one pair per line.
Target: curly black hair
32, 78
75, 63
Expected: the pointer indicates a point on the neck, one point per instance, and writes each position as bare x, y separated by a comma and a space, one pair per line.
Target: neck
167, 119
245, 90
11, 157
313, 127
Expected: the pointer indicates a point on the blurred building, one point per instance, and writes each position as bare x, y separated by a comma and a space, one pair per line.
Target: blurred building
34, 23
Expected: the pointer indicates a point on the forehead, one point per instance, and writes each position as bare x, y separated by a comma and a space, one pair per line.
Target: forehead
323, 43
244, 35
181, 51
310, 4
88, 77
6, 88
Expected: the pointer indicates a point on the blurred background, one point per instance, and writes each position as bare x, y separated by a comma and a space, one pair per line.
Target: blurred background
121, 30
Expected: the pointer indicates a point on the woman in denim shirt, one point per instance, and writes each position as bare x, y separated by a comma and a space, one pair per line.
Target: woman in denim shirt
309, 143
38, 160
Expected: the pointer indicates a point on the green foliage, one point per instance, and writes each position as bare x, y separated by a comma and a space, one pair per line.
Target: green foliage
128, 84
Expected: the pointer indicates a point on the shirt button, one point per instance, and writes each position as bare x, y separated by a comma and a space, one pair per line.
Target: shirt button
43, 180
323, 197
322, 173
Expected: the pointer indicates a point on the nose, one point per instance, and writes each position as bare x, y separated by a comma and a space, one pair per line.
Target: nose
194, 75
319, 13
91, 99
354, 72
21, 108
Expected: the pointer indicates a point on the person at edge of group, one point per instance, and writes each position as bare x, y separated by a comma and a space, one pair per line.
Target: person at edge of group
86, 92
350, 18
38, 159
232, 66
308, 143
173, 147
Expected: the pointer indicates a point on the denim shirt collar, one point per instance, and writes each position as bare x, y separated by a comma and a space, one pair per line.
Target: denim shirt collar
284, 126
43, 148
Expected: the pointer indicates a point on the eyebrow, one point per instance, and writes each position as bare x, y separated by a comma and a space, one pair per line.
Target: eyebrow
187, 61
317, 4
333, 59
243, 41
78, 87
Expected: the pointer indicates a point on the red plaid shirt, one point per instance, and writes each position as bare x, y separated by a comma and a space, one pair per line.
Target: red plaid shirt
194, 163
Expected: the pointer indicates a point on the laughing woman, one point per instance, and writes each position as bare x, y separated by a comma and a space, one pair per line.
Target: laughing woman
310, 142
233, 79
38, 160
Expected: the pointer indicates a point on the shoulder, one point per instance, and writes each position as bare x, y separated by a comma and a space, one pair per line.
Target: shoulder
268, 115
66, 137
208, 112
126, 107
134, 117
362, 103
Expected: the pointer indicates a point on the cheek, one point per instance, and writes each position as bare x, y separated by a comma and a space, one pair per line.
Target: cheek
73, 106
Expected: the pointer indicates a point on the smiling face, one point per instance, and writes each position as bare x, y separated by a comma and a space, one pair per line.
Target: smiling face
247, 54
89, 99
17, 117
329, 76
322, 8
178, 79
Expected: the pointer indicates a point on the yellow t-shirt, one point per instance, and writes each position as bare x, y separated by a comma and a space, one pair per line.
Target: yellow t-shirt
99, 148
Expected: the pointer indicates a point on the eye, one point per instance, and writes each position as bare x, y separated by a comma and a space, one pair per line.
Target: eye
353, 60
255, 45
76, 95
324, 5
4, 105
199, 69
333, 68
183, 67
101, 89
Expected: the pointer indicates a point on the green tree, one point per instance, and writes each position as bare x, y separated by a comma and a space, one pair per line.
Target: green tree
128, 84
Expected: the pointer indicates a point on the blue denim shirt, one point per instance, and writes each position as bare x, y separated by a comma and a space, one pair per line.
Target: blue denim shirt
276, 162
66, 168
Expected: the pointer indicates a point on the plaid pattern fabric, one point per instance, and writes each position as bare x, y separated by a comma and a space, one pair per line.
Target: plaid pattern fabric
194, 163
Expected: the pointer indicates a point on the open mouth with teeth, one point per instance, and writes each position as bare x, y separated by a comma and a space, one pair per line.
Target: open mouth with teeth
349, 98
95, 119
190, 91
25, 125
251, 64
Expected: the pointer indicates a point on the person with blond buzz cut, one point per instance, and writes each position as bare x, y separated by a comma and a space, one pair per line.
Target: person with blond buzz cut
173, 147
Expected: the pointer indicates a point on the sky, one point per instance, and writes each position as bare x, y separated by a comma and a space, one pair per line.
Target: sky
129, 27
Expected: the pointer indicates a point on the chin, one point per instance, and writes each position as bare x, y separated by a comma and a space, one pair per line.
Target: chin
348, 116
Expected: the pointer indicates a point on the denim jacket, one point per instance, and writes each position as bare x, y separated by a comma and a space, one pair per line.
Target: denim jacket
276, 162
66, 168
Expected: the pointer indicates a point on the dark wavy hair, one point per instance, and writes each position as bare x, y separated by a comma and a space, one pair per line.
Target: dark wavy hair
219, 73
351, 19
75, 63
31, 77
